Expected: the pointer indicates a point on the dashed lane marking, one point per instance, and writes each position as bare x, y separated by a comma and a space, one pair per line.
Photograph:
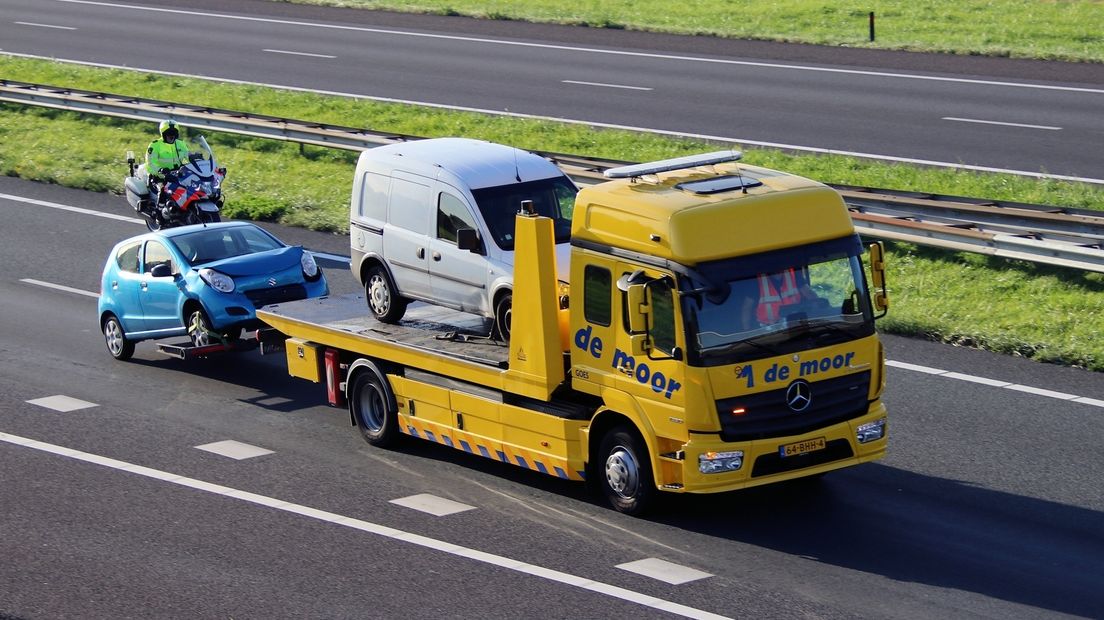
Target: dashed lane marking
59, 287
674, 574
234, 449
54, 205
371, 528
62, 403
436, 506
1007, 385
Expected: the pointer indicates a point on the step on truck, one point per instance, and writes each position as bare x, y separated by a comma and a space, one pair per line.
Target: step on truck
717, 333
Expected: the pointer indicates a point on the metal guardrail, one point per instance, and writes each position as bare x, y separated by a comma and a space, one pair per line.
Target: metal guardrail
1036, 233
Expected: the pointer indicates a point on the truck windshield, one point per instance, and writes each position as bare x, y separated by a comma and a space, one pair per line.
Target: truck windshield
554, 198
778, 302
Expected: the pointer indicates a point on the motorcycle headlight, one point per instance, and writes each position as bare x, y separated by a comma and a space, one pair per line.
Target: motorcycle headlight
216, 280
310, 268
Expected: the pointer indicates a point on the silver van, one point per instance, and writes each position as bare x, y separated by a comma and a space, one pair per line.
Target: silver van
433, 220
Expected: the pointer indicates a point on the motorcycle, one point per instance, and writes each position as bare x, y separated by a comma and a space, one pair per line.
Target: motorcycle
191, 194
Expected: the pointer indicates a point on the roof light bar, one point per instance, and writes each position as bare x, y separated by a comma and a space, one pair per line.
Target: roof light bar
678, 163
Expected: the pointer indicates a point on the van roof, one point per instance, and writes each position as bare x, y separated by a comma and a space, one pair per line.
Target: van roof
475, 163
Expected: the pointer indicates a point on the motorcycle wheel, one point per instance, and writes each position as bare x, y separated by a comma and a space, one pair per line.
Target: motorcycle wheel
208, 218
153, 222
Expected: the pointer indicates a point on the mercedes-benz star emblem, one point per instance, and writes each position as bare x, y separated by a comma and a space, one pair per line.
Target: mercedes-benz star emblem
799, 395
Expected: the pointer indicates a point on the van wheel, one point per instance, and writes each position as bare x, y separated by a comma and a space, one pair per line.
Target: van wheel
383, 300
117, 343
502, 318
371, 406
625, 472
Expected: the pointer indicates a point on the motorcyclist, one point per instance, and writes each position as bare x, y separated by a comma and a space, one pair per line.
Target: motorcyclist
165, 154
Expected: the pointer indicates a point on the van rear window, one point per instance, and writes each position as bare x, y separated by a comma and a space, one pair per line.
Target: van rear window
553, 198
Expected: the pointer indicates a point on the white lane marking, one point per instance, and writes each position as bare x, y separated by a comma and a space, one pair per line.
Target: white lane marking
588, 50
54, 205
62, 403
45, 26
571, 121
331, 257
674, 574
928, 370
298, 53
67, 289
1003, 124
606, 85
369, 527
234, 449
436, 506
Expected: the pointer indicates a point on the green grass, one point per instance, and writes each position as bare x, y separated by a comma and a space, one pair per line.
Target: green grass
1010, 306
1056, 29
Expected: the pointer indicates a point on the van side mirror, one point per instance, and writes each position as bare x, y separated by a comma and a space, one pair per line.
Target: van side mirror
877, 274
468, 239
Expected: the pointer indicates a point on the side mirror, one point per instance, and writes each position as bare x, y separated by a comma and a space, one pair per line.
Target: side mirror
130, 157
161, 270
638, 309
468, 239
877, 273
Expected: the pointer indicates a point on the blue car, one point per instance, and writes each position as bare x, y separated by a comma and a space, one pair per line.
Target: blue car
204, 280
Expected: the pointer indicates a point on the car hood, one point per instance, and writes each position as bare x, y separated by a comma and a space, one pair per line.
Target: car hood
256, 264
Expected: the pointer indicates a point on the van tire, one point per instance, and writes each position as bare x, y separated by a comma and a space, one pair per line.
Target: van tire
502, 318
624, 471
383, 300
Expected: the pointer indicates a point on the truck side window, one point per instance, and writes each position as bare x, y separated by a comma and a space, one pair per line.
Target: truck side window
597, 292
662, 329
155, 255
452, 215
127, 258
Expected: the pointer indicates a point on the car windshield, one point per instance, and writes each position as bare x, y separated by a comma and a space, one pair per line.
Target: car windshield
554, 198
212, 244
779, 302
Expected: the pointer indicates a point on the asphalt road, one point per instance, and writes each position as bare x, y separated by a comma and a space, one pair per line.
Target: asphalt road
993, 113
989, 503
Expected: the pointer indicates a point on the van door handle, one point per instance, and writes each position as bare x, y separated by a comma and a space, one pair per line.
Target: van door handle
436, 256
421, 252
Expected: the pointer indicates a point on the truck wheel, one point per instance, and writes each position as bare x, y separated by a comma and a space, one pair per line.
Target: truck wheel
383, 300
117, 343
625, 471
372, 408
502, 318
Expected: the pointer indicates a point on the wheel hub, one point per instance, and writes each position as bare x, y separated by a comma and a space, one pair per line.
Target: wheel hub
622, 472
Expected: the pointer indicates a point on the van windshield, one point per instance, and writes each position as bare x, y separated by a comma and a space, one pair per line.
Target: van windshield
553, 198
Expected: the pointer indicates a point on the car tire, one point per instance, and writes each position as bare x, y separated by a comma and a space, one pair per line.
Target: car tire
502, 317
383, 300
120, 347
624, 471
199, 328
373, 409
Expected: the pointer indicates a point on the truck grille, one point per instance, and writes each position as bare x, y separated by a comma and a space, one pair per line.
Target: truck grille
767, 415
277, 294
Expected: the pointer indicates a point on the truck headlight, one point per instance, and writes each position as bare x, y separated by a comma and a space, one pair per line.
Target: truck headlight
871, 431
720, 462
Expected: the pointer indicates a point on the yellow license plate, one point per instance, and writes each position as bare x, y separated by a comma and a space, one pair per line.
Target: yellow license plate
801, 447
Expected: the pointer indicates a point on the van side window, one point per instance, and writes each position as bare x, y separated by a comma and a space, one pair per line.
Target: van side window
410, 205
597, 295
373, 196
452, 215
662, 329
127, 258
156, 254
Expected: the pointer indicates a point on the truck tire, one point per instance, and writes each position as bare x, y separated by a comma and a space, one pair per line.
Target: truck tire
373, 408
625, 471
502, 318
117, 343
383, 300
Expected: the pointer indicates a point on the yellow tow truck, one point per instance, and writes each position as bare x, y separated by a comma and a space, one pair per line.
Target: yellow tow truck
717, 333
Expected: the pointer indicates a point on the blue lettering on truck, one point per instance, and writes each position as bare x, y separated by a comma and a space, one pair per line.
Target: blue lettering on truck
660, 383
806, 369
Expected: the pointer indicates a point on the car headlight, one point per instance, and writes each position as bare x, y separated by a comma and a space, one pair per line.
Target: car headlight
310, 268
216, 280
720, 462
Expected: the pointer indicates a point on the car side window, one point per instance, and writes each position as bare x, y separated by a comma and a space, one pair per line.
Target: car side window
127, 258
452, 215
156, 253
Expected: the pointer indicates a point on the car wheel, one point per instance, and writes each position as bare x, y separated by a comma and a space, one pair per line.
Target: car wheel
383, 300
199, 329
372, 408
117, 343
625, 471
502, 317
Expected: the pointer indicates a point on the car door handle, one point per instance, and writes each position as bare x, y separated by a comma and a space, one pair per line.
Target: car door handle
421, 252
115, 285
144, 286
436, 256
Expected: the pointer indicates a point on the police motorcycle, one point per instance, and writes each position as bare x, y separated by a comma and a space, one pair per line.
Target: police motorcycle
191, 194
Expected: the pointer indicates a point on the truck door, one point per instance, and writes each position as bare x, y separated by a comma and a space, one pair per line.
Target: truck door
656, 377
406, 234
457, 277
